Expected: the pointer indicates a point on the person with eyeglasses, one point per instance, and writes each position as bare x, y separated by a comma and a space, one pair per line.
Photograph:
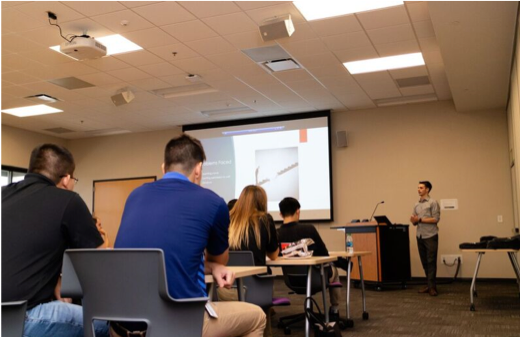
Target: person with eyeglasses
41, 217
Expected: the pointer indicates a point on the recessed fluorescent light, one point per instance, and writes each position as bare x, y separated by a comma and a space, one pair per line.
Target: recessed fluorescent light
116, 44
385, 63
185, 90
43, 97
406, 100
228, 112
33, 110
315, 10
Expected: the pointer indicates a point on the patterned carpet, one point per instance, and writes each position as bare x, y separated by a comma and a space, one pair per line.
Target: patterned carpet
397, 312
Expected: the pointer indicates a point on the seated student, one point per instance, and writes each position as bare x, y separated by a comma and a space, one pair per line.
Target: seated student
292, 231
101, 231
190, 224
41, 217
231, 203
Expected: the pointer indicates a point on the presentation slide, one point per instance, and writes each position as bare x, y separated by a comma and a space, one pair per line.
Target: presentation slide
288, 158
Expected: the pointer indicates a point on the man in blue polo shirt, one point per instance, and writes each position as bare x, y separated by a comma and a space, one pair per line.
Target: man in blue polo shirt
190, 224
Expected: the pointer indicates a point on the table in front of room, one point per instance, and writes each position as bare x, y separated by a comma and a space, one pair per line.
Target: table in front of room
349, 257
512, 257
310, 262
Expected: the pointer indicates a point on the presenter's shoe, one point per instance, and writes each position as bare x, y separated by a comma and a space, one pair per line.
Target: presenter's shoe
424, 290
433, 292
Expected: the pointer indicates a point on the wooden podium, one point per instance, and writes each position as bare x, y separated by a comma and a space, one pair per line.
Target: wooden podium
390, 247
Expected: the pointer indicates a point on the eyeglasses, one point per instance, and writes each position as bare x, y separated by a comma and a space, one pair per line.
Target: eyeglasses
71, 177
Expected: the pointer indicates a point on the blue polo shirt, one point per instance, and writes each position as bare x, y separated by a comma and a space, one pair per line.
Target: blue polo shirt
181, 218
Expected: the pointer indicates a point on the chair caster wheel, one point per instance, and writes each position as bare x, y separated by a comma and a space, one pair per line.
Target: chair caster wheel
365, 316
287, 331
472, 307
350, 323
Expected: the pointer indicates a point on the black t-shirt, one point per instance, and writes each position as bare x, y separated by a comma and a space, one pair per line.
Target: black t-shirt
40, 221
268, 237
294, 231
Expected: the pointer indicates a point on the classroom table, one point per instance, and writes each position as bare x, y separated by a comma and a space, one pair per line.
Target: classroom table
310, 262
239, 273
349, 256
514, 262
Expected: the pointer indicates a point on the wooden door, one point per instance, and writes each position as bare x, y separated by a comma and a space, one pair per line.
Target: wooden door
109, 201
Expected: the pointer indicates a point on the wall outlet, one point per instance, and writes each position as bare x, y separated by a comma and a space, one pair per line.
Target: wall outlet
500, 219
450, 259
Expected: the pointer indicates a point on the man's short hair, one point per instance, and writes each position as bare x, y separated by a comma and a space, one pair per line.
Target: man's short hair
52, 161
426, 184
231, 203
288, 206
182, 154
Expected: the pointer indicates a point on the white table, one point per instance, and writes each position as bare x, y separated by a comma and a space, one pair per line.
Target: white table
310, 262
239, 273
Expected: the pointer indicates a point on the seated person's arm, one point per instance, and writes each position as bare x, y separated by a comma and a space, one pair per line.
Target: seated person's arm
215, 265
273, 255
273, 249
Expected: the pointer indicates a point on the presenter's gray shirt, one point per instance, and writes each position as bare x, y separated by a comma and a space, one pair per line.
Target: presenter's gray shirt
427, 208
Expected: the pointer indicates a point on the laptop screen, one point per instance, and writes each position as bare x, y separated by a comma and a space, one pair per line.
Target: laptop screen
383, 219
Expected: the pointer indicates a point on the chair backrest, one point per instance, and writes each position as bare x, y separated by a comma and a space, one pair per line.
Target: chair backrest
259, 288
295, 278
13, 318
129, 285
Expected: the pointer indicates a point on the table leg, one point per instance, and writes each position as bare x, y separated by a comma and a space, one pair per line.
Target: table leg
516, 267
348, 287
308, 294
324, 292
240, 286
211, 291
473, 282
363, 296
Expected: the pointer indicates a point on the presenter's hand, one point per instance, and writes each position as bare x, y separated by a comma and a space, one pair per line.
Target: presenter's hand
223, 276
414, 219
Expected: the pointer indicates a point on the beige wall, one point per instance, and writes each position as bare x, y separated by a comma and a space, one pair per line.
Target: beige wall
17, 145
465, 155
513, 114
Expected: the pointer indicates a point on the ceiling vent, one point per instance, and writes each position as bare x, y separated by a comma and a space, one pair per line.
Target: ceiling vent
106, 132
229, 112
272, 58
43, 97
412, 81
184, 90
58, 131
71, 83
405, 100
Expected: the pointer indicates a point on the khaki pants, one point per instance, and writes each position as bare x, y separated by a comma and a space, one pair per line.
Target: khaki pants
235, 319
334, 293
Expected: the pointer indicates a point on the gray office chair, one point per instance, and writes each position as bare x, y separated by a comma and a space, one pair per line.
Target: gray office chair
129, 285
259, 288
13, 318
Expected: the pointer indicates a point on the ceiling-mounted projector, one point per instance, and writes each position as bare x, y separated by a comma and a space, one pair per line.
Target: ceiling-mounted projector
83, 47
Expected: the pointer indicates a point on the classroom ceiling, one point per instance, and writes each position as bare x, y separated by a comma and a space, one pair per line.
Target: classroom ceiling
467, 48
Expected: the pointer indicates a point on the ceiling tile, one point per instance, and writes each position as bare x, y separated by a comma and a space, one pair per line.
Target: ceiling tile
418, 11
150, 84
260, 15
386, 17
424, 29
46, 36
149, 38
432, 57
293, 75
172, 52
347, 41
429, 44
38, 10
302, 31
196, 65
17, 44
337, 25
84, 25
134, 4
164, 13
204, 9
378, 85
391, 34
91, 8
417, 90
231, 23
106, 63
99, 78
440, 81
113, 21
189, 31
247, 40
19, 78
318, 60
47, 56
247, 5
139, 58
215, 45
215, 75
161, 69
176, 80
308, 47
14, 20
7, 4
74, 69
329, 70
409, 72
231, 61
17, 62
129, 74
355, 54
398, 48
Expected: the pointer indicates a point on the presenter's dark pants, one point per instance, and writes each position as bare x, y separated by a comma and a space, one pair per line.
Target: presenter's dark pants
428, 249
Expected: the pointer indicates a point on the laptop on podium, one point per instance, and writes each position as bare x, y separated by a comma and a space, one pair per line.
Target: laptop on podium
383, 219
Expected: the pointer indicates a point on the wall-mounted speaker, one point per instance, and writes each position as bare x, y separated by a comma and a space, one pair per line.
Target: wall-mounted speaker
277, 28
341, 139
124, 97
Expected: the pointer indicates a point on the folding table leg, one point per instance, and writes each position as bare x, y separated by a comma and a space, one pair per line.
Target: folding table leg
473, 288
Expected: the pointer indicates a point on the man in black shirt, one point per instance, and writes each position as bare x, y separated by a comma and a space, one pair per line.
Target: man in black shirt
41, 217
292, 231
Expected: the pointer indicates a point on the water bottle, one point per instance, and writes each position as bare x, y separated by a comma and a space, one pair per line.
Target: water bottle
350, 243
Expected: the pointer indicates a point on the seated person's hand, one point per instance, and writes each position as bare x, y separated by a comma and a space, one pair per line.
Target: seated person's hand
223, 276
57, 293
